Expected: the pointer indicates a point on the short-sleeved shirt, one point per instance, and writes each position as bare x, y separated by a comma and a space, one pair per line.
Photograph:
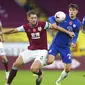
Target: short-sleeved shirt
37, 35
62, 39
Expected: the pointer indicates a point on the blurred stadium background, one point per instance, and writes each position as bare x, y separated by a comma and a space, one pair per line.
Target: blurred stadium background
13, 14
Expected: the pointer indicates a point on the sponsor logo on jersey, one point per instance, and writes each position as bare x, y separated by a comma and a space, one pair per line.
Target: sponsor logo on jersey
35, 35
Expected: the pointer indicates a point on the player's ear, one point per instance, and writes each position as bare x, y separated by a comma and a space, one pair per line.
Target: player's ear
27, 17
77, 11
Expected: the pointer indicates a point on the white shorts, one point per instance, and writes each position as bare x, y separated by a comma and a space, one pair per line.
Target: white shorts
2, 52
29, 55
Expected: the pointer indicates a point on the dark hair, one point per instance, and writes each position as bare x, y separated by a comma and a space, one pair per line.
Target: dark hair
31, 12
73, 6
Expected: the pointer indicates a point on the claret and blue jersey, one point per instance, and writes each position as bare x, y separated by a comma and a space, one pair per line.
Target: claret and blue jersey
61, 42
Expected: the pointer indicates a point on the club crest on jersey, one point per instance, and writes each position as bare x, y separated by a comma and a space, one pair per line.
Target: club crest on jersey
70, 23
74, 25
39, 28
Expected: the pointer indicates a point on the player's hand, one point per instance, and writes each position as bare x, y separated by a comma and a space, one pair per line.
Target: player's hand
73, 45
71, 34
2, 40
83, 29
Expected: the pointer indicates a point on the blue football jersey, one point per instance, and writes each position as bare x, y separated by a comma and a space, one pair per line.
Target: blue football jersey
62, 39
83, 22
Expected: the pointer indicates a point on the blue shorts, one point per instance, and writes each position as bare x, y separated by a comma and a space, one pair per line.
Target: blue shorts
64, 53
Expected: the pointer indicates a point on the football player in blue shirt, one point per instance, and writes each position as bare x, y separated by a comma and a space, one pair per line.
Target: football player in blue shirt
83, 25
61, 42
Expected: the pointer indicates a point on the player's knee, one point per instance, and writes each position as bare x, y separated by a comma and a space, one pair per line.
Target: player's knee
5, 61
50, 60
67, 69
17, 65
34, 69
4, 58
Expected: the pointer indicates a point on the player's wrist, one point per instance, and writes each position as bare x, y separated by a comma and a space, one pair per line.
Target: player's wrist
68, 32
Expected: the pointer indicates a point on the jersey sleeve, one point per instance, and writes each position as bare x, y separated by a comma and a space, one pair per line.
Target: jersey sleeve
47, 25
83, 21
75, 37
52, 19
20, 29
76, 32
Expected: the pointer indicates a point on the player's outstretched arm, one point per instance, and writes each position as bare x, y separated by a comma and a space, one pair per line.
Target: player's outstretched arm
15, 30
11, 31
2, 37
55, 26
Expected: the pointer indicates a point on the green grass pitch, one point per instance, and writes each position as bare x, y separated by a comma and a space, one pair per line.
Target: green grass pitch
25, 77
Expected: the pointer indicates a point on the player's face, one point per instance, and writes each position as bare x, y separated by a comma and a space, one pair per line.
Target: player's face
73, 12
32, 19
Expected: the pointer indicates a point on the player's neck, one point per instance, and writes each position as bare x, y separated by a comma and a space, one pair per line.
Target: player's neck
33, 25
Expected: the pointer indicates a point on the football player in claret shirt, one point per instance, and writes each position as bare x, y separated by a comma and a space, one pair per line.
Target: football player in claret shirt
61, 43
2, 52
37, 49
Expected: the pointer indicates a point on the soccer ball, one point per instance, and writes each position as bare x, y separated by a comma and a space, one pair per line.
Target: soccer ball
60, 16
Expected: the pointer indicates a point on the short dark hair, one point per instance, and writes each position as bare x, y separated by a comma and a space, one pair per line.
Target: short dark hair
31, 12
73, 6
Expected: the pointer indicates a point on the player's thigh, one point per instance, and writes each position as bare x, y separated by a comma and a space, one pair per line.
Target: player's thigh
36, 65
41, 57
18, 63
27, 56
4, 58
50, 59
53, 51
66, 55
